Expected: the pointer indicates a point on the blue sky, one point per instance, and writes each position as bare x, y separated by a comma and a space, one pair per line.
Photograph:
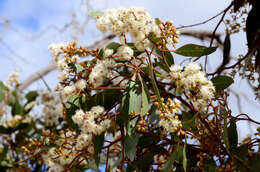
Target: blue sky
30, 17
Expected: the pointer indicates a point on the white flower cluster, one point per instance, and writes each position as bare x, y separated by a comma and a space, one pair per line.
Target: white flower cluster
89, 127
11, 79
125, 52
87, 123
101, 71
11, 121
194, 83
58, 158
136, 21
56, 48
52, 108
169, 120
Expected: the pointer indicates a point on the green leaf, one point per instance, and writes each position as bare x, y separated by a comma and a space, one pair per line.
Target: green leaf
166, 55
95, 14
145, 97
135, 96
132, 101
31, 96
225, 132
184, 161
162, 66
135, 101
145, 141
232, 136
4, 130
114, 46
177, 155
16, 108
157, 21
98, 144
146, 71
131, 142
106, 98
2, 91
154, 117
222, 82
188, 120
193, 50
114, 163
209, 165
101, 53
168, 165
154, 85
227, 48
73, 100
143, 162
3, 153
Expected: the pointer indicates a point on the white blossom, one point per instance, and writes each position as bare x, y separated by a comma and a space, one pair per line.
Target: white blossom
125, 52
100, 71
68, 90
56, 48
108, 52
81, 84
136, 21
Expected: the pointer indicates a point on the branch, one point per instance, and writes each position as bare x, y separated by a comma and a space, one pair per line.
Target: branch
52, 66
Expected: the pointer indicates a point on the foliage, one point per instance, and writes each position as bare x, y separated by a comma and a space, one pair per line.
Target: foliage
130, 107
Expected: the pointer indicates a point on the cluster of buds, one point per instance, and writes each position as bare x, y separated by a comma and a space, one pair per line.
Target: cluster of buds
169, 119
169, 35
141, 125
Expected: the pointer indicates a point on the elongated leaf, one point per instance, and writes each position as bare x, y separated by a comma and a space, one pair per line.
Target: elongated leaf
227, 48
145, 97
31, 96
16, 107
232, 136
131, 142
225, 132
184, 161
143, 163
107, 98
166, 55
146, 71
155, 88
3, 153
2, 91
98, 144
114, 46
135, 104
4, 130
188, 120
193, 50
73, 100
210, 165
222, 82
168, 165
